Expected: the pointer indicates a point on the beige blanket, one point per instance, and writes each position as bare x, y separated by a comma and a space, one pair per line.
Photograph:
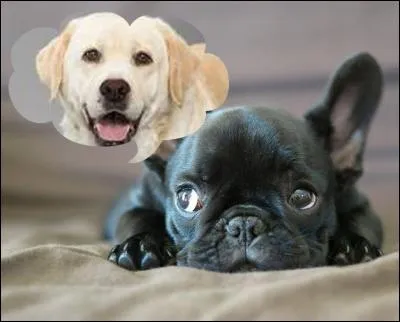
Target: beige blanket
57, 281
76, 283
54, 267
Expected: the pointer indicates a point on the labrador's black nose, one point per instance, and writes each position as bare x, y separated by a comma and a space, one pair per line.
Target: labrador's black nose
245, 227
115, 90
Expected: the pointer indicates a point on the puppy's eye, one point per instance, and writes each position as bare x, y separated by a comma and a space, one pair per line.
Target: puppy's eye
303, 199
91, 56
188, 200
141, 58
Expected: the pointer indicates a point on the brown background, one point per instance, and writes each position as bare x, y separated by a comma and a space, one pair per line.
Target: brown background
277, 53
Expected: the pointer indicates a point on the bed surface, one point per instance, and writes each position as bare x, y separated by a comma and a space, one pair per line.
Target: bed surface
74, 282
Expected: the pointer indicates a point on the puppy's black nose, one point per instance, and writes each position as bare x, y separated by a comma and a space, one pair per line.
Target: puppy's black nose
245, 227
115, 90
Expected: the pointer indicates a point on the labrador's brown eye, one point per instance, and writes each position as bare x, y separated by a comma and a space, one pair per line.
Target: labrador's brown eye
91, 56
141, 58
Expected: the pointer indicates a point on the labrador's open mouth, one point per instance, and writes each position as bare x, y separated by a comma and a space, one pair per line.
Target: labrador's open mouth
113, 128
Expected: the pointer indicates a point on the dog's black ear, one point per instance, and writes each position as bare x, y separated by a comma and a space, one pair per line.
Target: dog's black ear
156, 164
209, 112
343, 116
167, 148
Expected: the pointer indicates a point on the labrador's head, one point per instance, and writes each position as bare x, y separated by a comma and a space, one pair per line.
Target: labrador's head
115, 78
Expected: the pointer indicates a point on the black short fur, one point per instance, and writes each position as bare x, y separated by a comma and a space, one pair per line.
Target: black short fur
244, 164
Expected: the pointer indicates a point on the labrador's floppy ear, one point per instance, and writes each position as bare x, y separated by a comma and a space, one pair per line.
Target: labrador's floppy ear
198, 48
213, 74
215, 79
344, 115
50, 59
187, 62
183, 63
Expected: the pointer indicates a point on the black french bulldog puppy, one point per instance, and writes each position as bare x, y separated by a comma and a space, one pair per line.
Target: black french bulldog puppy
258, 189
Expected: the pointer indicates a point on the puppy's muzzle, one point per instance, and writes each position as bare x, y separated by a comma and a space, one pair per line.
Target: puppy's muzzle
115, 90
244, 223
245, 228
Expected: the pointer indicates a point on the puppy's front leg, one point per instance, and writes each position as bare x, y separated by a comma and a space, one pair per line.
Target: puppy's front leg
142, 241
140, 232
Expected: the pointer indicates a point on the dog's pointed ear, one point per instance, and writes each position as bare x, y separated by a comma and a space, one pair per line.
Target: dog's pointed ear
343, 117
50, 59
156, 164
168, 147
158, 161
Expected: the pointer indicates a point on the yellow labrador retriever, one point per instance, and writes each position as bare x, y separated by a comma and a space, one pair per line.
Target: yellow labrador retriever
118, 81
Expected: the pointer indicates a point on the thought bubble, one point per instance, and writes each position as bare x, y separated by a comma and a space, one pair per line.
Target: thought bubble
103, 80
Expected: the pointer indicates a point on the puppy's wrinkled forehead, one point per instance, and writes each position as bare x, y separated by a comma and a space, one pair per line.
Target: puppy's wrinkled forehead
254, 143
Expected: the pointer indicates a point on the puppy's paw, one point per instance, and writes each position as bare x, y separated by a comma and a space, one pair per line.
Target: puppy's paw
351, 249
139, 252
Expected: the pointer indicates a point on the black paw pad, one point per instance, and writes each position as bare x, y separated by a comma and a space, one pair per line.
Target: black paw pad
139, 252
352, 249
150, 260
365, 252
342, 253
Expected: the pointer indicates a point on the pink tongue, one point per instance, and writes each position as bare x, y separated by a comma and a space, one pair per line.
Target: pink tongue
112, 132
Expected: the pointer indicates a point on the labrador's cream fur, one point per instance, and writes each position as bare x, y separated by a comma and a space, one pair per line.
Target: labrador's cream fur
172, 94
